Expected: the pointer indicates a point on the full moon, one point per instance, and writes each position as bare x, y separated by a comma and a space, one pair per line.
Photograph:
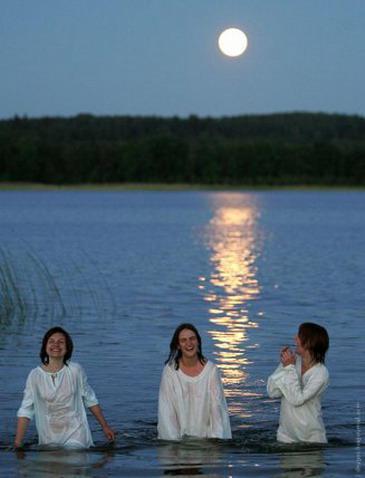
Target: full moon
232, 42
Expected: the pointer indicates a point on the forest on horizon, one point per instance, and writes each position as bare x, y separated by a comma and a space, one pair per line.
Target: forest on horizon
272, 149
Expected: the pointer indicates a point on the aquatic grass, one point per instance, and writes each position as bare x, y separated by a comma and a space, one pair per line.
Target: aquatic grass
31, 290
101, 276
54, 297
12, 302
86, 283
20, 289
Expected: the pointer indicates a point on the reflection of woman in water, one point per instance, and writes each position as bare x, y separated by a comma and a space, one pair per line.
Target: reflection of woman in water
300, 383
191, 399
56, 394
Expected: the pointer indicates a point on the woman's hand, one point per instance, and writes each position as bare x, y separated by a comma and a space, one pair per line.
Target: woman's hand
98, 414
109, 433
287, 356
21, 428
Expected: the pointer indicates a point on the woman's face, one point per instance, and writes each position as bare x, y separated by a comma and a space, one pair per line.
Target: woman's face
56, 346
188, 343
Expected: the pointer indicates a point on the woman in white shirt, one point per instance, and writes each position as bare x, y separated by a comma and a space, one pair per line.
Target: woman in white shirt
191, 399
300, 382
56, 394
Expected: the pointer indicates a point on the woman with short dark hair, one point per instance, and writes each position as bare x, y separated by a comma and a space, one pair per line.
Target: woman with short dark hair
191, 398
300, 382
56, 395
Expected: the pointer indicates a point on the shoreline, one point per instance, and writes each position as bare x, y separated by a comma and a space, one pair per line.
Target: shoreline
15, 186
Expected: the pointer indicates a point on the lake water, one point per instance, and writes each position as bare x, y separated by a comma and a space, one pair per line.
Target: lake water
120, 270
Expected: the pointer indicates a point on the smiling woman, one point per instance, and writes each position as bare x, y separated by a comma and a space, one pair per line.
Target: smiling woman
232, 42
56, 395
191, 400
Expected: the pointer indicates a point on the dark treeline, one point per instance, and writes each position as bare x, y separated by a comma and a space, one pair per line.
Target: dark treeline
278, 149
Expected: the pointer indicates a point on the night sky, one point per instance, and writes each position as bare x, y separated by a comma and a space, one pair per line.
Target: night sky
160, 57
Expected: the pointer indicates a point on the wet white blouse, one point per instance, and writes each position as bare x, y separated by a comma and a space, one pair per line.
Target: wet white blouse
192, 406
57, 401
300, 411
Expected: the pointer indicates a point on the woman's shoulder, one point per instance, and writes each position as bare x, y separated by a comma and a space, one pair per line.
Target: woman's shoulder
324, 369
76, 371
74, 367
209, 365
213, 370
35, 372
169, 369
319, 370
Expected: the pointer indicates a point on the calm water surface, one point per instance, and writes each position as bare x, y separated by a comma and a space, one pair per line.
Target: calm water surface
120, 270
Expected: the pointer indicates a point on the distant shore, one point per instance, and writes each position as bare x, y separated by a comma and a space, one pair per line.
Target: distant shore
18, 186
293, 150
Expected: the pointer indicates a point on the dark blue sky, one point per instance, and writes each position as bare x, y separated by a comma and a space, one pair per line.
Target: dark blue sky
160, 57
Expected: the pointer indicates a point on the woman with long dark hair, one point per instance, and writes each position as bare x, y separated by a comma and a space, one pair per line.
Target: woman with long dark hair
300, 380
191, 398
56, 395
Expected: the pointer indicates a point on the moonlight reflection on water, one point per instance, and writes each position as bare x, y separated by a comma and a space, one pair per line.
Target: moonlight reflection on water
233, 240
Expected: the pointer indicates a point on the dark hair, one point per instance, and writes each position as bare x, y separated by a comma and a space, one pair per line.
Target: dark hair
69, 344
175, 352
315, 339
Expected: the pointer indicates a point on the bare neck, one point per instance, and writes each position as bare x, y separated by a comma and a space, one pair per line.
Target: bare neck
189, 362
54, 365
192, 367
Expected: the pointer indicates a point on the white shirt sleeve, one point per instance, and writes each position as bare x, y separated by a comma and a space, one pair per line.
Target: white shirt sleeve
220, 424
287, 380
87, 392
27, 406
272, 388
168, 424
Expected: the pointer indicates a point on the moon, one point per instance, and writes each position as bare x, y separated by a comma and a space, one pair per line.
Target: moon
232, 42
